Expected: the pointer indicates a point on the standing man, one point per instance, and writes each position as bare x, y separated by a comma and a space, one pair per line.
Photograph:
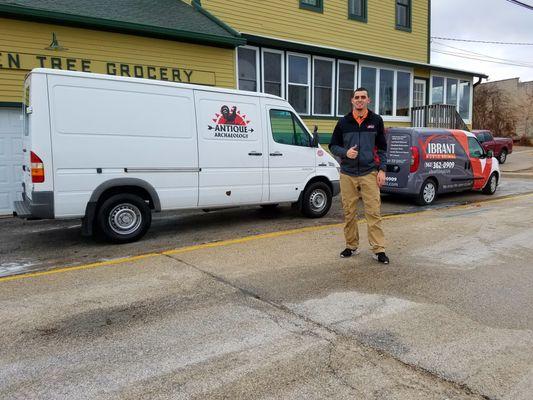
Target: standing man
359, 140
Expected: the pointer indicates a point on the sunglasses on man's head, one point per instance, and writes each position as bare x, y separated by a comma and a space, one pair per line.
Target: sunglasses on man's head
359, 97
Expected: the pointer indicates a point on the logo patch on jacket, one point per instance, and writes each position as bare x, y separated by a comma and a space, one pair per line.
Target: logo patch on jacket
370, 126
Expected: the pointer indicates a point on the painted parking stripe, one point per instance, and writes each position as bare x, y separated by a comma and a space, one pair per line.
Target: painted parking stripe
245, 239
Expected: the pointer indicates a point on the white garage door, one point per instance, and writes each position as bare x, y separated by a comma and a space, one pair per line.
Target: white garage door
10, 158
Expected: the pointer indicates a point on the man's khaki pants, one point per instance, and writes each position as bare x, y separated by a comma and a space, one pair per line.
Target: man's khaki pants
365, 187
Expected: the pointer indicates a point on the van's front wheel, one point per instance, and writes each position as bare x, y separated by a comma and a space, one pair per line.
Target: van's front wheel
316, 200
124, 218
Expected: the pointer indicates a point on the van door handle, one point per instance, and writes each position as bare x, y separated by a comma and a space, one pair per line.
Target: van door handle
255, 153
276, 154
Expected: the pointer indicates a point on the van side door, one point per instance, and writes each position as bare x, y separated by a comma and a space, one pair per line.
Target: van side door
291, 158
231, 152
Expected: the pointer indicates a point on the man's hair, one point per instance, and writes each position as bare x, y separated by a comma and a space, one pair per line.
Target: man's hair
360, 89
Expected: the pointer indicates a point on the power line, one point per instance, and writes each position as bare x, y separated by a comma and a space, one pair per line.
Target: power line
468, 52
519, 3
481, 59
482, 41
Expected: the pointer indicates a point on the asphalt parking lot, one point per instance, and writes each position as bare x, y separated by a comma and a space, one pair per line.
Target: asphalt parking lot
215, 305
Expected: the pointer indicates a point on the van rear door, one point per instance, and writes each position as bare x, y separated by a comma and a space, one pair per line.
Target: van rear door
26, 140
399, 154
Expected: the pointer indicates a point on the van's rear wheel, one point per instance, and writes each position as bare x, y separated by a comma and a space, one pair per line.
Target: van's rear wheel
124, 218
428, 193
492, 184
316, 200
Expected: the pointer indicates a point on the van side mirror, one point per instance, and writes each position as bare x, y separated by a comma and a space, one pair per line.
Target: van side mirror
490, 153
316, 138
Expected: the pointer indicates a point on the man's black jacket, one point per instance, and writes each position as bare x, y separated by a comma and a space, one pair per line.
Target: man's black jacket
370, 141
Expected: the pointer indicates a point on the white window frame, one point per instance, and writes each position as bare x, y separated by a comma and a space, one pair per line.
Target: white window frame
299, 84
355, 82
257, 63
282, 83
395, 68
418, 80
332, 93
459, 79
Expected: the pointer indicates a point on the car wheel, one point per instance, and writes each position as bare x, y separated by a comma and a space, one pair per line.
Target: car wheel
124, 218
503, 157
492, 184
316, 200
428, 193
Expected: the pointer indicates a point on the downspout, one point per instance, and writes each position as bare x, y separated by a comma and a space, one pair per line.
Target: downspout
474, 98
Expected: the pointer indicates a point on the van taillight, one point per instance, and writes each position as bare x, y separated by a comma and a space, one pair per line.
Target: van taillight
37, 168
415, 159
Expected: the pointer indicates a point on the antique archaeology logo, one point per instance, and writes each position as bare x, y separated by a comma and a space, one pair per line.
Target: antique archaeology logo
230, 124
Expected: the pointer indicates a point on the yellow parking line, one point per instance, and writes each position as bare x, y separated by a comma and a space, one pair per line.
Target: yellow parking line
245, 239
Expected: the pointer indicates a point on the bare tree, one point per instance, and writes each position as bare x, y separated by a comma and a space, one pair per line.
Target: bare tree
494, 110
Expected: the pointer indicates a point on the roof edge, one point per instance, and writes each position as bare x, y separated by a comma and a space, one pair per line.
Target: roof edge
197, 6
121, 26
336, 52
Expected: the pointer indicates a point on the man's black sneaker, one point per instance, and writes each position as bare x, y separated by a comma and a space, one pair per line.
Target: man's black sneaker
381, 257
349, 252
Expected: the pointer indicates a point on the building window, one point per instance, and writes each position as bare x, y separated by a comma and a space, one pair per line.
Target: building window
390, 91
403, 15
357, 10
323, 76
346, 84
464, 99
313, 5
403, 88
452, 91
248, 68
386, 91
368, 81
273, 73
437, 90
298, 82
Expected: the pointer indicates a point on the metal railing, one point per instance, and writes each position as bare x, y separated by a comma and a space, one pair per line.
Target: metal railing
437, 116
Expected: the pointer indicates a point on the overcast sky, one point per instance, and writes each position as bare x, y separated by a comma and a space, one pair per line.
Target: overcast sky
490, 20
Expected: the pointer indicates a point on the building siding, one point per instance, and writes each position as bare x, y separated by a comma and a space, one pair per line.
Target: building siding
285, 20
32, 38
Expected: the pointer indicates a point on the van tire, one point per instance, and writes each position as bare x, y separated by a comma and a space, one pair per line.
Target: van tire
427, 194
502, 157
492, 184
124, 218
316, 200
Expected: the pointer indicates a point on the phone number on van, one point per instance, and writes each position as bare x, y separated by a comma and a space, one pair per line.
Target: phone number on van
440, 164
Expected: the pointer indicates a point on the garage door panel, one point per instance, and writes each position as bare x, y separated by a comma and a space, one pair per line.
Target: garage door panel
11, 158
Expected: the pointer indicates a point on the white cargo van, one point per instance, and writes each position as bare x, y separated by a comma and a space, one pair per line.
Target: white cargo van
111, 150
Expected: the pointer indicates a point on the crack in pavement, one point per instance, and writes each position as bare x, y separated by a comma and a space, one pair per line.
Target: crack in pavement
415, 368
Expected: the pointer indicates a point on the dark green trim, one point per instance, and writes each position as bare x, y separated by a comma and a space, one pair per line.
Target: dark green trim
198, 6
261, 41
119, 26
318, 8
409, 17
5, 104
355, 17
429, 32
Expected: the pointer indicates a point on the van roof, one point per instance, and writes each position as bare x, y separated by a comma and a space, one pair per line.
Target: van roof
429, 130
91, 75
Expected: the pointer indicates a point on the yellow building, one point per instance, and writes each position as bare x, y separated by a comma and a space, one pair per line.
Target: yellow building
311, 52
